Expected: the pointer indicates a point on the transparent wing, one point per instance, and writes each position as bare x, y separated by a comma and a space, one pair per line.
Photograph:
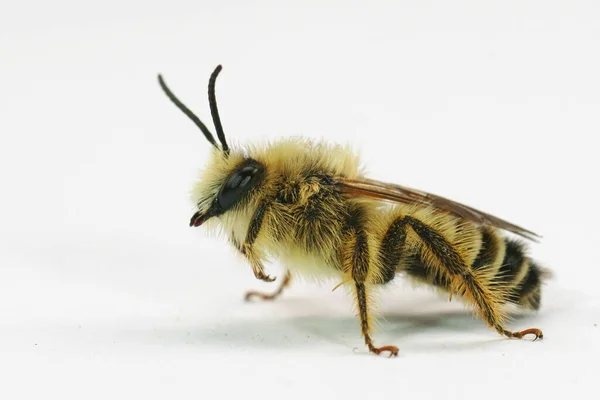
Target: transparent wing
401, 194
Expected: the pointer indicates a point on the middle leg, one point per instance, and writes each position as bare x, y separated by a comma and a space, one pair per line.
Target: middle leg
365, 323
356, 264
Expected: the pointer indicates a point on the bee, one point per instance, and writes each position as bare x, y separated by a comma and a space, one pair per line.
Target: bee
308, 204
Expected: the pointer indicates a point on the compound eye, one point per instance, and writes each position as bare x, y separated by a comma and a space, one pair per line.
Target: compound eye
237, 185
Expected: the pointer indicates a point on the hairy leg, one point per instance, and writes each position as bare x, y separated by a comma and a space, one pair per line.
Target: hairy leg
355, 262
365, 324
247, 248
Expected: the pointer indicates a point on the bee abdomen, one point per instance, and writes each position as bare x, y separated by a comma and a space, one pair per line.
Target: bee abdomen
529, 290
519, 276
491, 252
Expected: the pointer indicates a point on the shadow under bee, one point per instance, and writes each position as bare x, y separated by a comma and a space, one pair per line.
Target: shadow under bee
421, 322
414, 330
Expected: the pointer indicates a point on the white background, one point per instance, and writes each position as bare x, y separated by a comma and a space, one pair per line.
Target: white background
105, 292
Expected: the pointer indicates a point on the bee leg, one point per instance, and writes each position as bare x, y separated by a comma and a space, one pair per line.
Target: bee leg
270, 296
463, 280
361, 297
519, 335
356, 263
247, 248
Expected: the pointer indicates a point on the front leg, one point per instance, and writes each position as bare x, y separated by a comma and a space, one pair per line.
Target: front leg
247, 248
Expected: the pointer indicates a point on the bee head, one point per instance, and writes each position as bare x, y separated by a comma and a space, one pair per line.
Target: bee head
226, 184
229, 177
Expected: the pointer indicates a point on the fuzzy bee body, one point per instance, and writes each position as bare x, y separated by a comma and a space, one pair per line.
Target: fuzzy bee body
309, 205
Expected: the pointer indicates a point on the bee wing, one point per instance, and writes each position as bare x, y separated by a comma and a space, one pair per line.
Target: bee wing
401, 194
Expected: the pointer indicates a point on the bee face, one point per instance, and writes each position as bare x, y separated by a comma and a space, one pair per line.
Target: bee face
229, 191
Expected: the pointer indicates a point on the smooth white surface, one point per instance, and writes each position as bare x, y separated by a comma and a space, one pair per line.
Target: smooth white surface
106, 293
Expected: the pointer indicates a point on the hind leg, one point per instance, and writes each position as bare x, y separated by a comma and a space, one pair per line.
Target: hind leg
466, 282
463, 280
